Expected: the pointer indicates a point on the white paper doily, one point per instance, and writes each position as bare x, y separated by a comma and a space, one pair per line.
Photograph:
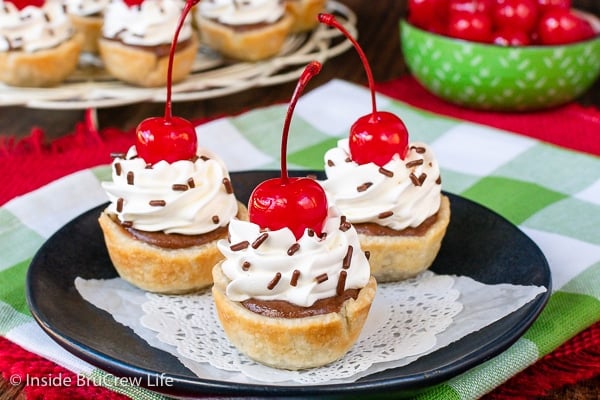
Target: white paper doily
90, 86
403, 322
481, 305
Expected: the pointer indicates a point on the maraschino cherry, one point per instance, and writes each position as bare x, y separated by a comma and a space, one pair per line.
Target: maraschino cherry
21, 4
378, 136
167, 138
296, 203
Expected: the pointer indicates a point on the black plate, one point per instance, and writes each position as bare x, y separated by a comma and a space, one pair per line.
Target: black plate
479, 243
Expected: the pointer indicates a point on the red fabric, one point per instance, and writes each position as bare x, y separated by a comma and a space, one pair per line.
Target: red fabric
570, 126
43, 379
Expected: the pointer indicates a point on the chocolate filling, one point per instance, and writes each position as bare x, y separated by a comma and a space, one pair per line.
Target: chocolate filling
284, 309
372, 229
172, 240
246, 27
161, 50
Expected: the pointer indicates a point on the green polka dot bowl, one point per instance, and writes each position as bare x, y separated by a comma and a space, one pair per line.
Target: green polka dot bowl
499, 78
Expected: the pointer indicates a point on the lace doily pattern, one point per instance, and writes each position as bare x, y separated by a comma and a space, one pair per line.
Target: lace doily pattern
404, 321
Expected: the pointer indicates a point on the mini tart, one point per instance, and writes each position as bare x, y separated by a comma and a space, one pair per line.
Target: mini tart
142, 67
91, 30
292, 343
394, 258
305, 13
43, 68
157, 269
242, 43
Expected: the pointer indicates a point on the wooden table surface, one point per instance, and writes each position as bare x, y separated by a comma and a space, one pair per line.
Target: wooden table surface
378, 34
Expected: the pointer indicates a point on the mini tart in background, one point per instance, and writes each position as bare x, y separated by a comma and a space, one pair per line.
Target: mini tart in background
251, 30
38, 45
398, 210
293, 304
163, 223
136, 40
304, 13
87, 17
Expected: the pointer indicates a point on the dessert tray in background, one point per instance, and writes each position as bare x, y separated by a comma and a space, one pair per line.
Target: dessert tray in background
212, 75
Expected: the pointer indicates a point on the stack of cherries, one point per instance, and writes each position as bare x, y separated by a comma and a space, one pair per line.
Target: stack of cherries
502, 22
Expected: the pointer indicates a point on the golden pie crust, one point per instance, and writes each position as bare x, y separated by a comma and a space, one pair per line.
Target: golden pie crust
292, 343
394, 258
157, 269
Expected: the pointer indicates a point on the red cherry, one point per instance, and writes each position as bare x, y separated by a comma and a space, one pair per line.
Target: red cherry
295, 203
547, 5
172, 139
133, 3
21, 4
377, 137
510, 37
374, 137
476, 27
425, 13
472, 6
167, 138
559, 26
515, 14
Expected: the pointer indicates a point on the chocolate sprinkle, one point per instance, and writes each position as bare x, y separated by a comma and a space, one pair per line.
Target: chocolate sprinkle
341, 285
295, 276
293, 249
120, 204
204, 158
330, 163
422, 178
157, 203
130, 178
215, 219
246, 265
364, 186
414, 163
386, 172
228, 187
414, 179
310, 232
274, 281
439, 180
347, 258
260, 240
367, 254
191, 183
321, 278
178, 187
239, 246
418, 149
385, 214
348, 159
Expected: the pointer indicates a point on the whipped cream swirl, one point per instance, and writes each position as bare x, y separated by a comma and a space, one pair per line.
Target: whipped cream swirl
150, 24
401, 194
246, 12
86, 8
274, 265
187, 197
33, 28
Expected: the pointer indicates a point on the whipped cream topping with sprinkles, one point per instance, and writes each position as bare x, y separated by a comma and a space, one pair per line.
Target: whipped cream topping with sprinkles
401, 194
33, 28
273, 265
188, 196
151, 23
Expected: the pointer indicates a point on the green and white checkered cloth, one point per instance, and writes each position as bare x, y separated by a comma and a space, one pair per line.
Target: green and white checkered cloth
552, 194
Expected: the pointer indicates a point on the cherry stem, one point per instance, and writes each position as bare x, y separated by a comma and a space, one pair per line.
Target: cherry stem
329, 19
168, 104
312, 69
